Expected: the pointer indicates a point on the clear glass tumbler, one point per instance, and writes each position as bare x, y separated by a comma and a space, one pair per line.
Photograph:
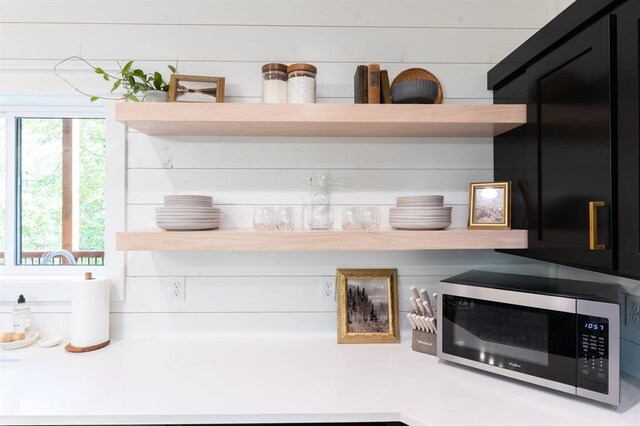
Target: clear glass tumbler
264, 218
370, 218
284, 218
350, 218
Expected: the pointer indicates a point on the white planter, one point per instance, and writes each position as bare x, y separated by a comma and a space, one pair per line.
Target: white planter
155, 96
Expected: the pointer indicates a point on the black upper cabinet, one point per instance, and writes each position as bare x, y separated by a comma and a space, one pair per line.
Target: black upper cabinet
574, 166
628, 115
568, 110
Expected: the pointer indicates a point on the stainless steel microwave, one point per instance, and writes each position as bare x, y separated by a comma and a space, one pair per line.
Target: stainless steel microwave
562, 334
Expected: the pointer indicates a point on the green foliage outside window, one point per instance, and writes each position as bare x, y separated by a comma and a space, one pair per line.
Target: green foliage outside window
41, 157
3, 169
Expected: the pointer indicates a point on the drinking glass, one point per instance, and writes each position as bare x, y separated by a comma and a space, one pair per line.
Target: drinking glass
370, 218
264, 218
284, 218
350, 218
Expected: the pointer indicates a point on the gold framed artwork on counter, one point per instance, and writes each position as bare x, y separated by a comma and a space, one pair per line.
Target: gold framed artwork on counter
367, 306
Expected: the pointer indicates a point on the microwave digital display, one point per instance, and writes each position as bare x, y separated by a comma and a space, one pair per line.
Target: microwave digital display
595, 326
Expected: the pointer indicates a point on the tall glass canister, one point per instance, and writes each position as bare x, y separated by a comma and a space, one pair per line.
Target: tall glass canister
302, 84
274, 83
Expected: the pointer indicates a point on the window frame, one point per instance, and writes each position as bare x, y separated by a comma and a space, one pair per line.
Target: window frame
38, 279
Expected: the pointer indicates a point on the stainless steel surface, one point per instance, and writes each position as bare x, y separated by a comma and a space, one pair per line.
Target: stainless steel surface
504, 372
503, 296
64, 253
561, 304
612, 312
541, 301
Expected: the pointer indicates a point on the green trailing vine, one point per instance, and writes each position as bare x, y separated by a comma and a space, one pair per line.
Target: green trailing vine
133, 80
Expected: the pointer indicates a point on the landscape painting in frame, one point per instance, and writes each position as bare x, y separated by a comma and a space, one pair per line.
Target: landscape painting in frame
193, 88
489, 205
367, 310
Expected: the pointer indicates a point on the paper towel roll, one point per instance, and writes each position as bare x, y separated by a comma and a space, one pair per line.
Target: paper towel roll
90, 312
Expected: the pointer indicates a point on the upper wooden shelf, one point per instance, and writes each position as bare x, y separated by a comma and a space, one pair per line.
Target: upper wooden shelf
174, 118
249, 240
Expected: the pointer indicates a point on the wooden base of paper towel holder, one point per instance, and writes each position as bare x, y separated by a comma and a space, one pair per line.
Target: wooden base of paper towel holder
74, 349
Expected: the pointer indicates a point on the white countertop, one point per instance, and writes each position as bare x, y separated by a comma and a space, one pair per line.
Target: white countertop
268, 380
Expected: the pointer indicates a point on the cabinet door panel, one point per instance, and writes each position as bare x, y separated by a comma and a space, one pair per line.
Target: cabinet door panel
628, 110
569, 115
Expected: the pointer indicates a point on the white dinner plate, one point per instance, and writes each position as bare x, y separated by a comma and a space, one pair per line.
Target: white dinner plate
419, 209
188, 210
206, 198
417, 226
418, 214
187, 222
190, 227
187, 205
187, 216
419, 204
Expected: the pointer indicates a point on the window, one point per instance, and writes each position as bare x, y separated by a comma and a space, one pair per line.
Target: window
59, 191
3, 192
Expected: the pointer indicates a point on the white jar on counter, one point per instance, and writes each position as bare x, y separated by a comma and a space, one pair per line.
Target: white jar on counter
274, 83
302, 84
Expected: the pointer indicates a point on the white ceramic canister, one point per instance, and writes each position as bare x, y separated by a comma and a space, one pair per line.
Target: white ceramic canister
301, 86
274, 83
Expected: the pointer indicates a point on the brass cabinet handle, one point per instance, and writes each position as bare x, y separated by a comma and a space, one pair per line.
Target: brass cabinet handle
593, 225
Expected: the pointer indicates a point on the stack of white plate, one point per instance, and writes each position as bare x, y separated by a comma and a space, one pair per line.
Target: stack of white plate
420, 212
187, 213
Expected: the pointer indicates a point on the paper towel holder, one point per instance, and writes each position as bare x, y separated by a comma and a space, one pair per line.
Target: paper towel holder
75, 349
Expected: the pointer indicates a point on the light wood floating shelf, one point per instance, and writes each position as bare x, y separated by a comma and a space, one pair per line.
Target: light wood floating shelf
174, 118
249, 240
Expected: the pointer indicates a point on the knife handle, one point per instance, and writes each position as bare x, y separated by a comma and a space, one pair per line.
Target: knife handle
415, 293
415, 305
432, 323
413, 324
424, 296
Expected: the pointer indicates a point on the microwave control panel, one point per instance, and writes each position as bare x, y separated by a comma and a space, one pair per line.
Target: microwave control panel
593, 353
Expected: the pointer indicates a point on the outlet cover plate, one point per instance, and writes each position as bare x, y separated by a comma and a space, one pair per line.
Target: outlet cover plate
631, 319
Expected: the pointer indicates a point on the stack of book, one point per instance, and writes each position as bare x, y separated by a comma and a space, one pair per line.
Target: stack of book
371, 85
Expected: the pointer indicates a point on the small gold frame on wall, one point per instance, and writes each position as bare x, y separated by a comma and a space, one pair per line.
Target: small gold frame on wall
367, 306
195, 88
490, 205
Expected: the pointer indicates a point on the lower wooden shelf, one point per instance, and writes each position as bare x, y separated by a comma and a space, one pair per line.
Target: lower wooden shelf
250, 240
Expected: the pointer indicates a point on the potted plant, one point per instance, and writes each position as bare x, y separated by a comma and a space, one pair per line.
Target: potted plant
138, 85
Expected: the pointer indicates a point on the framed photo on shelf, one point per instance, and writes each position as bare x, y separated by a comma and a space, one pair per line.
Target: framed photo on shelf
367, 306
194, 88
490, 205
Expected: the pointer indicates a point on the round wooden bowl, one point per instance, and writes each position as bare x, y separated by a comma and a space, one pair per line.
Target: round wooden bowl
418, 74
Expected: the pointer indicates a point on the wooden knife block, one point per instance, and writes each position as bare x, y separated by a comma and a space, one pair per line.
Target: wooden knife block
423, 342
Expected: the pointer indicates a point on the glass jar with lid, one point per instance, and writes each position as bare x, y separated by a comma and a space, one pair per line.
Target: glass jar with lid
274, 83
302, 84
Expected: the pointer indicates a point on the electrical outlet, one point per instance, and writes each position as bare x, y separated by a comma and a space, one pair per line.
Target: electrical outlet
633, 312
328, 288
631, 319
176, 289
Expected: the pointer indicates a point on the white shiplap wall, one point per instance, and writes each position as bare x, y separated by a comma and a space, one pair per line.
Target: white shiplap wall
458, 40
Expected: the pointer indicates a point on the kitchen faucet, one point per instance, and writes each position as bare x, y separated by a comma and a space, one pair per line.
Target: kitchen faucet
64, 253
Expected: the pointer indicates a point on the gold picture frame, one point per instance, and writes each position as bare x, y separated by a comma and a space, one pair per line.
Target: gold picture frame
196, 89
371, 315
490, 205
